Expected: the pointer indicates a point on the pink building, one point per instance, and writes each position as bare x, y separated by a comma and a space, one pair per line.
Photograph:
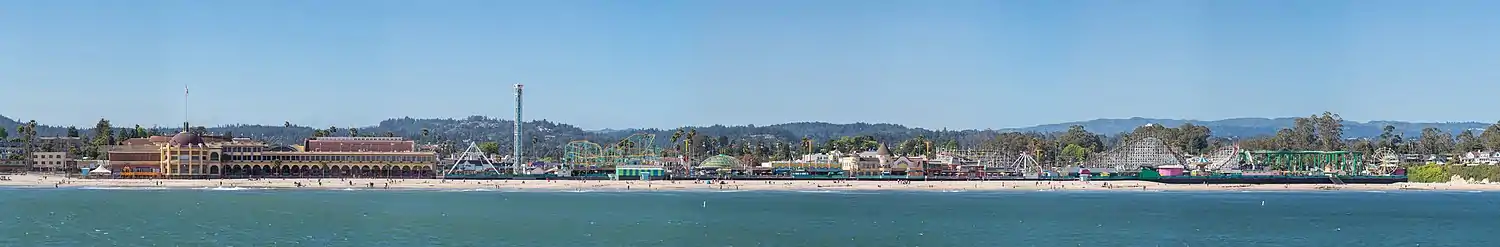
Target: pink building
1171, 170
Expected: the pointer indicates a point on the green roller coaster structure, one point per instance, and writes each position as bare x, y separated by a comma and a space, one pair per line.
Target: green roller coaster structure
637, 149
1307, 161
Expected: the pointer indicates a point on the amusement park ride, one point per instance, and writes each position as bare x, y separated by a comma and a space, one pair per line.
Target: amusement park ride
1153, 152
471, 163
637, 149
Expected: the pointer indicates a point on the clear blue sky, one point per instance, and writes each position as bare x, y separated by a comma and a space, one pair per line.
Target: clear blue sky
621, 64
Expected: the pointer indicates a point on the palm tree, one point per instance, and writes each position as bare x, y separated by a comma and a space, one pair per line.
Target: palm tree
675, 136
353, 132
689, 144
29, 133
807, 142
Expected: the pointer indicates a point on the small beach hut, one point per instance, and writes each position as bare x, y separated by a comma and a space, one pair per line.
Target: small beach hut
1171, 170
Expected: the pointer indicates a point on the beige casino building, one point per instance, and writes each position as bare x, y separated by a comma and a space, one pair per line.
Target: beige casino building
187, 155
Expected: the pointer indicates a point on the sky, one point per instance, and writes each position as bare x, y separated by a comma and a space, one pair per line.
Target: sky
952, 64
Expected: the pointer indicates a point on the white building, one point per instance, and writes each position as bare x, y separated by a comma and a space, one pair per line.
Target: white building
1481, 157
53, 161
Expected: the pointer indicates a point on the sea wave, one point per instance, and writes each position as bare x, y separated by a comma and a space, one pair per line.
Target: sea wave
123, 188
817, 191
230, 188
470, 190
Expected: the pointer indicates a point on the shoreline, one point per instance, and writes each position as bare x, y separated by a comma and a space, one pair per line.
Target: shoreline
47, 181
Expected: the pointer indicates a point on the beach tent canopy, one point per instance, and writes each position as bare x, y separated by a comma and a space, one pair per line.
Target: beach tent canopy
100, 170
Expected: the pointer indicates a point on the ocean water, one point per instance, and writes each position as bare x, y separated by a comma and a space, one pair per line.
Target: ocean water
100, 217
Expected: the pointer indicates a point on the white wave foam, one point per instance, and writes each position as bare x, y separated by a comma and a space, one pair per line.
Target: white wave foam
472, 190
231, 188
817, 191
123, 188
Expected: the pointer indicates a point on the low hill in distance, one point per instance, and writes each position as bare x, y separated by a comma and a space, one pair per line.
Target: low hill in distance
544, 133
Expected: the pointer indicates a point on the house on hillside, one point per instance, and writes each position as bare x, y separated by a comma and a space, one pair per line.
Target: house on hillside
1481, 158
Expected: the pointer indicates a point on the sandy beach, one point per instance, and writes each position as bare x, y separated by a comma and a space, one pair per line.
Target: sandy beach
44, 181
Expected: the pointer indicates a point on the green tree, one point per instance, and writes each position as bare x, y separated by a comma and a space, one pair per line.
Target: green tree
1331, 131
1193, 139
913, 147
950, 144
1014, 143
1428, 174
1467, 142
28, 137
1075, 153
489, 147
332, 130
390, 134
229, 135
1491, 137
675, 136
692, 133
1435, 141
1365, 147
320, 133
4, 135
72, 131
353, 132
807, 145
1076, 135
139, 132
104, 134
1304, 134
1150, 130
1389, 138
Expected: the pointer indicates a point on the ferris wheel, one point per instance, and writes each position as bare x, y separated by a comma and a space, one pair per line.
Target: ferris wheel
1388, 160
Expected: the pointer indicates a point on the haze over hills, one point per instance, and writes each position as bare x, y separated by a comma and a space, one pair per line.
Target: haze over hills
479, 128
1252, 127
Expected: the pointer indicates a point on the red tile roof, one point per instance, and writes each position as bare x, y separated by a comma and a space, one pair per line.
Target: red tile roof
360, 145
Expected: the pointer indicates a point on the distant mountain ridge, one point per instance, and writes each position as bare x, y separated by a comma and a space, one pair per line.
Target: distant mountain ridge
1251, 127
546, 133
1247, 127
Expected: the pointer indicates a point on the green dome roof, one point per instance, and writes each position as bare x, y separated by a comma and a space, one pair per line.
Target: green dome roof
720, 161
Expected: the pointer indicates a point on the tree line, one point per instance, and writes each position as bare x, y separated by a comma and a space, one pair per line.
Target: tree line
789, 141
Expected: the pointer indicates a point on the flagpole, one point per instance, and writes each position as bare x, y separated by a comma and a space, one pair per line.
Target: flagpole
185, 111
